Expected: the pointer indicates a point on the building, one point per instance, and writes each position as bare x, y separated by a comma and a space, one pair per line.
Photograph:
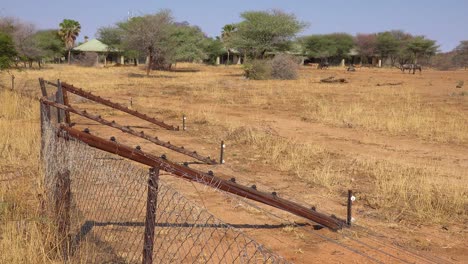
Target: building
94, 52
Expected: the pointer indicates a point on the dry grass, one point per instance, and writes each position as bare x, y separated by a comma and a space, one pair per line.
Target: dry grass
26, 236
392, 189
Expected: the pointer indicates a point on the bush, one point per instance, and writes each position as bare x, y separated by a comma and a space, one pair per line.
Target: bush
284, 67
258, 70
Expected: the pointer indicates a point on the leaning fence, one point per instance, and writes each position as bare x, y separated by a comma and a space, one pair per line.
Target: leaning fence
107, 209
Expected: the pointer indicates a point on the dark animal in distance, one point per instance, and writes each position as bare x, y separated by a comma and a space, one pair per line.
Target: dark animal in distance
323, 65
411, 67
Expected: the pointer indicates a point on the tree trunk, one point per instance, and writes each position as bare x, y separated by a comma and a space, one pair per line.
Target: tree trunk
69, 55
227, 62
150, 62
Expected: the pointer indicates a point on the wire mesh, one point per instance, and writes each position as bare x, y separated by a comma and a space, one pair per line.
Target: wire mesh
108, 207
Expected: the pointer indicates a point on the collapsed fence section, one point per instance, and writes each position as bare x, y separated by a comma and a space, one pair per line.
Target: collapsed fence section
103, 205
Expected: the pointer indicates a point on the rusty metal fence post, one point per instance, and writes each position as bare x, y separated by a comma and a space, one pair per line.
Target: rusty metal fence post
150, 222
62, 211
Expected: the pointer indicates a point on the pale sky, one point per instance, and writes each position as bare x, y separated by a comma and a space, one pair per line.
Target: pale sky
444, 21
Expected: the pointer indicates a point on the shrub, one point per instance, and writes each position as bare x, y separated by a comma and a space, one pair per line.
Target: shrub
284, 67
258, 70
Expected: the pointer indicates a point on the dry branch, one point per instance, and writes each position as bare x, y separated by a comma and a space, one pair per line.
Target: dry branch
332, 79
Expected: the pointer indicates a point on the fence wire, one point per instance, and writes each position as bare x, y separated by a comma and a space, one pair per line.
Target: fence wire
108, 207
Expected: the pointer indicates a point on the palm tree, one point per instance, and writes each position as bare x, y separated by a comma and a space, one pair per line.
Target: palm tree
226, 37
69, 31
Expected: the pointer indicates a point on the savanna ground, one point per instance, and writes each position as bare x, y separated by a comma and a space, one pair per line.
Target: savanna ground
403, 149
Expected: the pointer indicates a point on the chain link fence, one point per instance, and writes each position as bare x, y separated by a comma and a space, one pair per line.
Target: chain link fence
100, 202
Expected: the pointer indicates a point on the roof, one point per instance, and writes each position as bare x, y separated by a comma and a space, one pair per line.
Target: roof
94, 45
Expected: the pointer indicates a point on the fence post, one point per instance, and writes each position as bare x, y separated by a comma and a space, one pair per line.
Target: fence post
221, 155
59, 99
183, 122
350, 204
62, 211
42, 108
150, 222
67, 103
12, 82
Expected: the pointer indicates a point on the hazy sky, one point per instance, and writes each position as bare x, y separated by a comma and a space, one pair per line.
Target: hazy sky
445, 21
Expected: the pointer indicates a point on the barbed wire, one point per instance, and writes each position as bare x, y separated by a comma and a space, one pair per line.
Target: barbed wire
108, 207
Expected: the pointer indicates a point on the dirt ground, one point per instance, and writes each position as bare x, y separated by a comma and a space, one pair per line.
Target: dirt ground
405, 122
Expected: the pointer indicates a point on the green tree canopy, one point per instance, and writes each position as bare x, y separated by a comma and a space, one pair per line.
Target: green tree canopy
263, 31
387, 45
213, 49
421, 47
7, 51
319, 46
461, 54
50, 44
326, 46
69, 31
188, 41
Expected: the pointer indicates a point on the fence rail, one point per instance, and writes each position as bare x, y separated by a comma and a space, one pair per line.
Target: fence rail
109, 210
100, 203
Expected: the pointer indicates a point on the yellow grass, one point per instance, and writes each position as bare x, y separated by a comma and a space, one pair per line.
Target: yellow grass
25, 236
398, 191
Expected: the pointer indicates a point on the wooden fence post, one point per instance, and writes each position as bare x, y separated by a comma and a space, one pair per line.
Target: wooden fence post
12, 82
62, 211
42, 108
150, 222
59, 99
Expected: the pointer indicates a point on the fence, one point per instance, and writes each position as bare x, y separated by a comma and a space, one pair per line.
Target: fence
119, 212
107, 210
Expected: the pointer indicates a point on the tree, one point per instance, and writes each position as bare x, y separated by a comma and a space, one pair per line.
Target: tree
366, 45
111, 36
69, 31
263, 31
213, 48
227, 38
420, 47
188, 43
461, 54
149, 34
7, 51
343, 43
326, 46
50, 44
387, 45
319, 46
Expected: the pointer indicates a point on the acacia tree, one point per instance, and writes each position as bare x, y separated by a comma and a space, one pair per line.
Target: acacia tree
263, 31
319, 46
461, 54
213, 48
69, 31
188, 43
387, 45
50, 44
420, 47
7, 51
326, 46
149, 34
